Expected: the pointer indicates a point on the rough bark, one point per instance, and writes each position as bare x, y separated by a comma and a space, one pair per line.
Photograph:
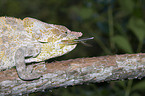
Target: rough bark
75, 71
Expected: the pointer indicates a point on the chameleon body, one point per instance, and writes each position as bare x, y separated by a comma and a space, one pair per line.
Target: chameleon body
34, 39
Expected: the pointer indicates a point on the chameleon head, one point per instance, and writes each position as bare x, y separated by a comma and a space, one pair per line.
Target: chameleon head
59, 41
55, 40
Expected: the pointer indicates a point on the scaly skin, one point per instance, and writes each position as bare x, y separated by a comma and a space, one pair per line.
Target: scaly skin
31, 37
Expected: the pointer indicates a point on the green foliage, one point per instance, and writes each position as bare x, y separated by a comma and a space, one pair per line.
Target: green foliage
83, 12
122, 43
139, 86
137, 26
117, 27
127, 5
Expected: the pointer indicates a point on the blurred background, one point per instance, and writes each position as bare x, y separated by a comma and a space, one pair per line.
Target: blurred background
118, 27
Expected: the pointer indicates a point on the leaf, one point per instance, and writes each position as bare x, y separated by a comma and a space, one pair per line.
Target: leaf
127, 5
122, 43
86, 13
83, 12
137, 26
139, 86
135, 94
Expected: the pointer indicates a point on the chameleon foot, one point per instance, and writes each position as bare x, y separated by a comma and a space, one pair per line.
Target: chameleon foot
24, 72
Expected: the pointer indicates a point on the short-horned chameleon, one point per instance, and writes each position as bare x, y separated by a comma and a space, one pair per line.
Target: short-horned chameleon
36, 40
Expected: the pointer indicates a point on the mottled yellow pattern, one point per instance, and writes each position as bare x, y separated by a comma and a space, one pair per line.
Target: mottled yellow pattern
16, 33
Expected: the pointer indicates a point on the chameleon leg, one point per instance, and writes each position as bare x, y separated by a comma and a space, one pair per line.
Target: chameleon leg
24, 72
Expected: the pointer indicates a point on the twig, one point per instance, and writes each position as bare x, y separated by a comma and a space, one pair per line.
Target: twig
76, 71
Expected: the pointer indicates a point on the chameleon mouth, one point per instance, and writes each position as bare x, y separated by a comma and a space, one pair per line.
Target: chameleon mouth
75, 41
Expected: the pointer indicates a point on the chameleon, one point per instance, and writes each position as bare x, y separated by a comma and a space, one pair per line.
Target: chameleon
23, 41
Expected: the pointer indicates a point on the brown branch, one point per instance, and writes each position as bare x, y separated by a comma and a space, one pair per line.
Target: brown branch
76, 71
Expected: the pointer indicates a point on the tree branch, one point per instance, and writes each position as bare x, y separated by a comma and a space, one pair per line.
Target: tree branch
76, 71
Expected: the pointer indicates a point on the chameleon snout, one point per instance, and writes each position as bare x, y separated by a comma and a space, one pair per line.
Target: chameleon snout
77, 34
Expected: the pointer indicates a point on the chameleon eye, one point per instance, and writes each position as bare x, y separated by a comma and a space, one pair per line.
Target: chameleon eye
66, 32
